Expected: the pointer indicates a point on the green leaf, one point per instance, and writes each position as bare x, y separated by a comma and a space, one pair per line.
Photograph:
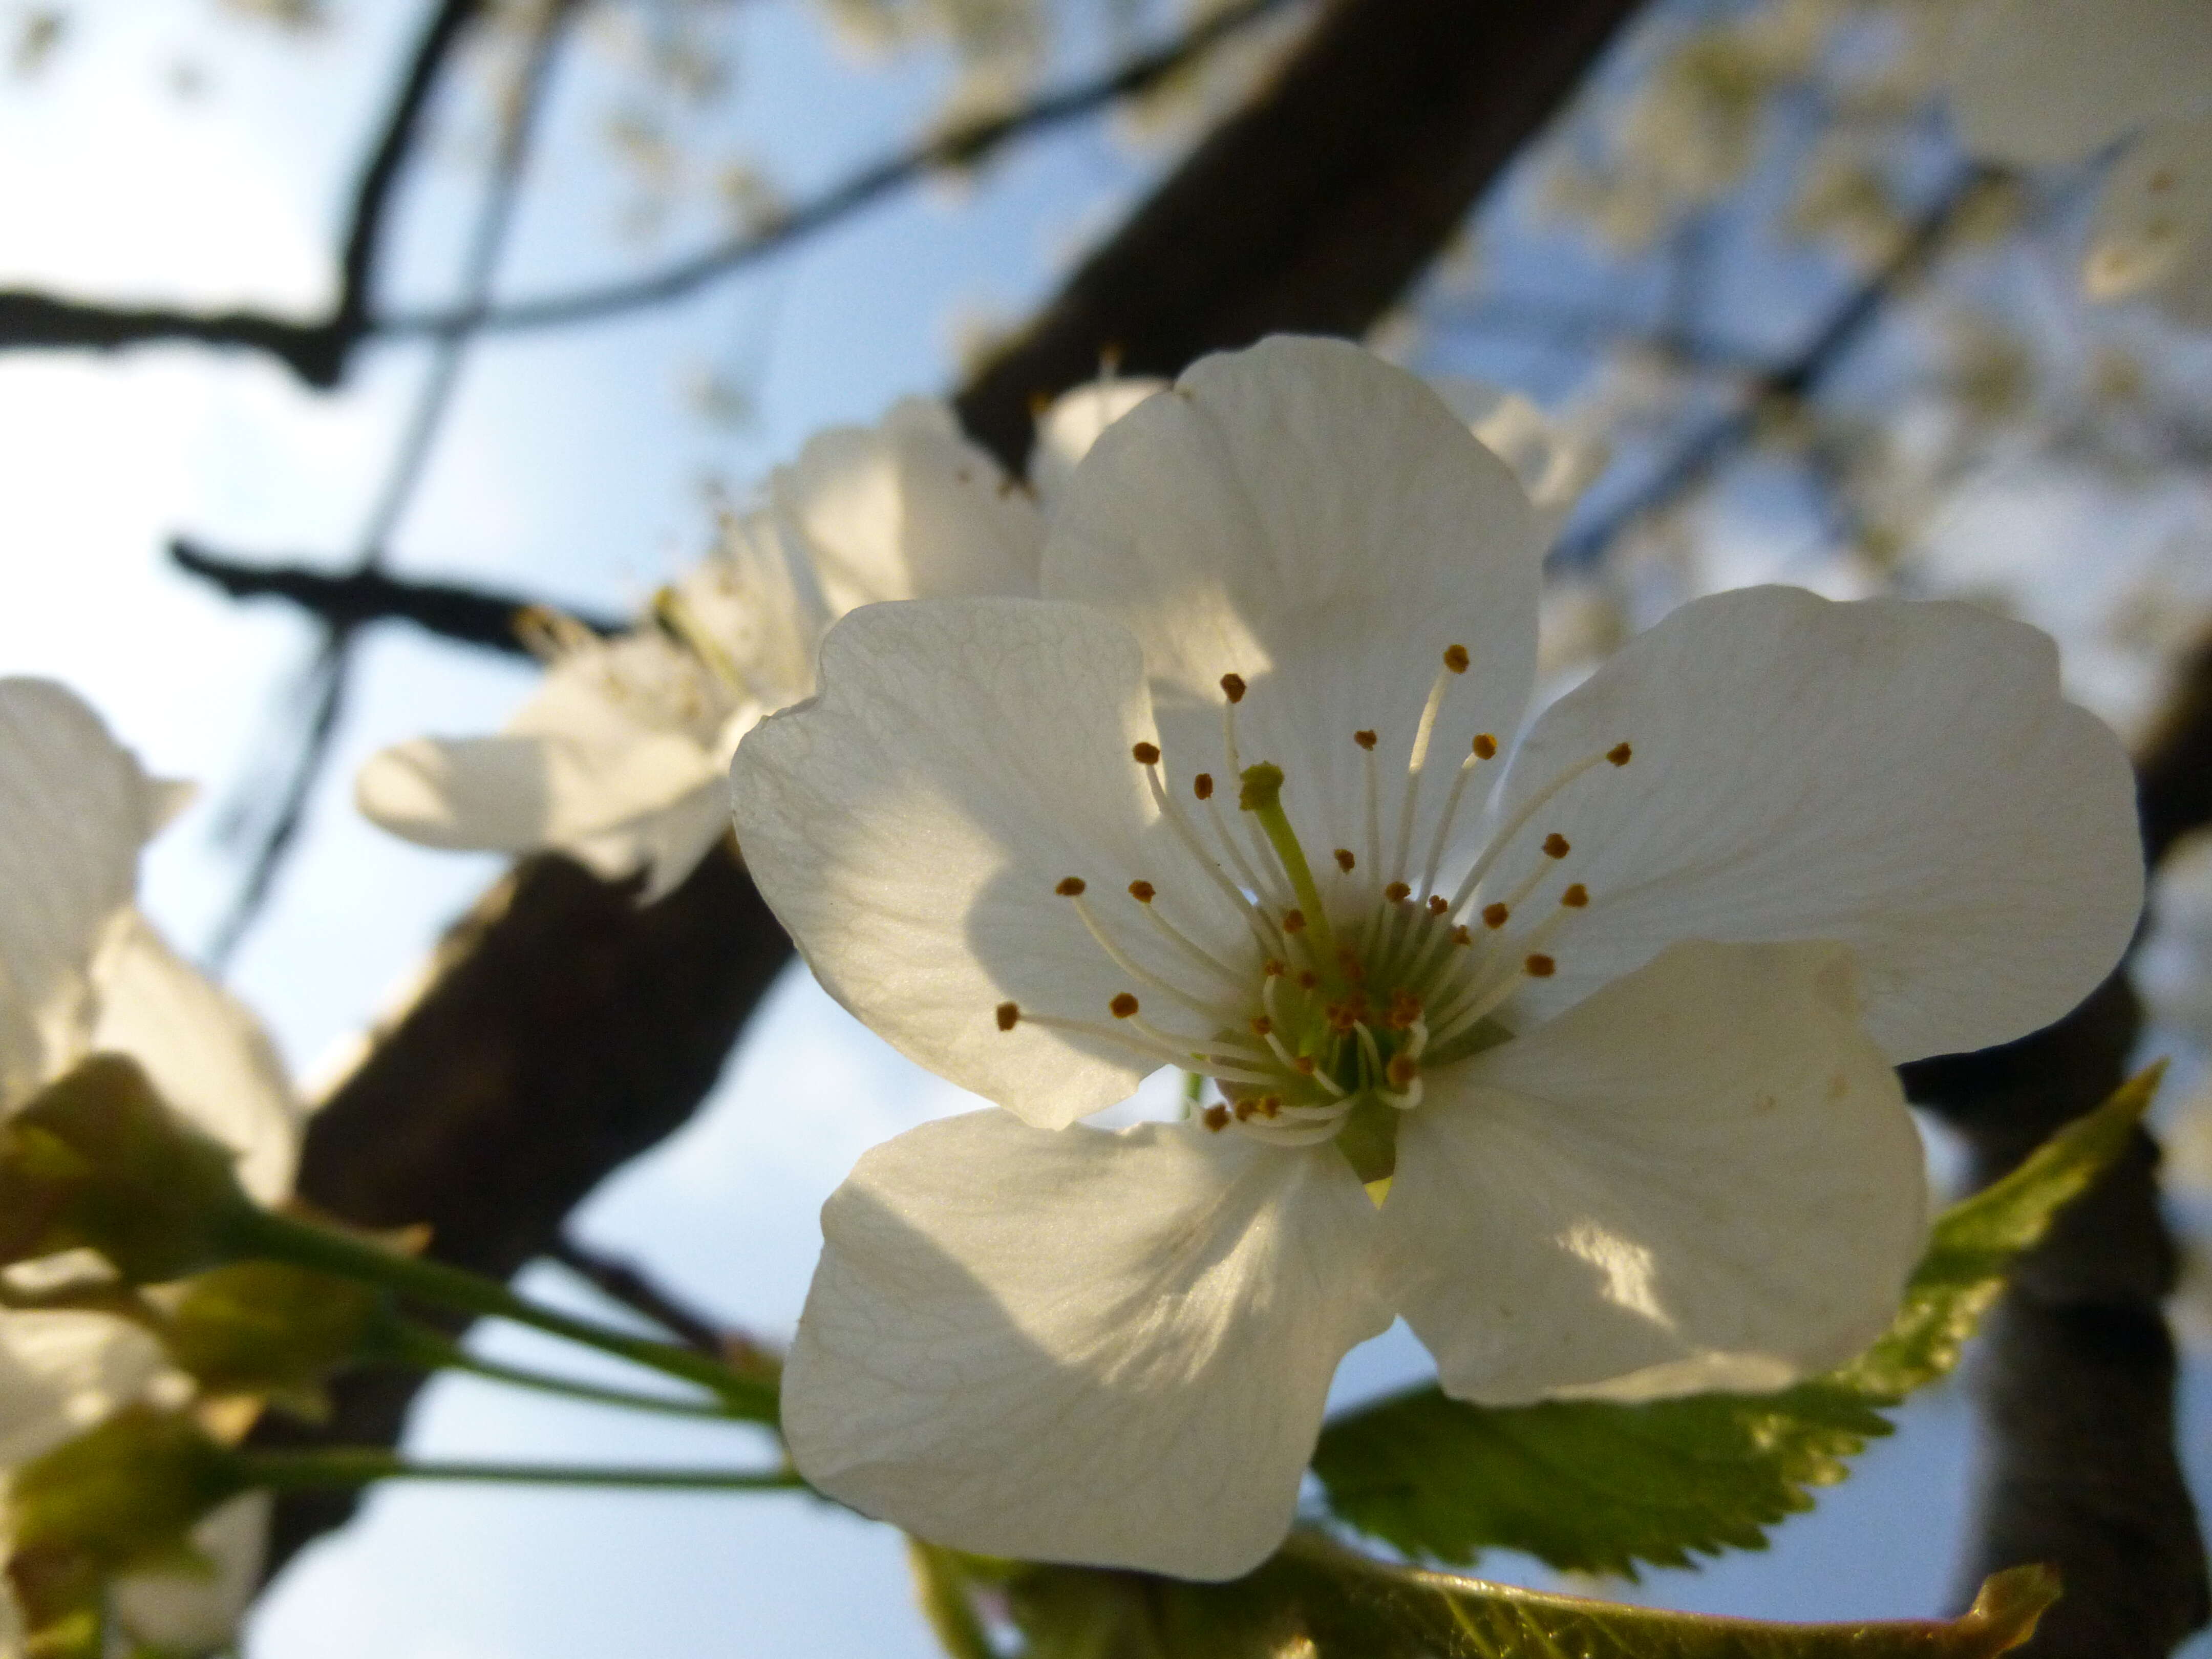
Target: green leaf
1600, 1487
1316, 1600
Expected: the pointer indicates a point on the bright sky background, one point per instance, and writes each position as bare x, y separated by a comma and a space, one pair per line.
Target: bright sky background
571, 468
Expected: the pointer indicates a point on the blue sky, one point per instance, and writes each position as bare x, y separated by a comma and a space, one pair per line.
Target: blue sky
572, 467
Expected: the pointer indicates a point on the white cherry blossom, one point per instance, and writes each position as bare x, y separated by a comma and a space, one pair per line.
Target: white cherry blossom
1607, 1041
619, 759
2037, 81
81, 970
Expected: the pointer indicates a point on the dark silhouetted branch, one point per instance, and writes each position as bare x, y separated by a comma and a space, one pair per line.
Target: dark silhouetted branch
567, 1029
332, 670
316, 352
1314, 209
468, 615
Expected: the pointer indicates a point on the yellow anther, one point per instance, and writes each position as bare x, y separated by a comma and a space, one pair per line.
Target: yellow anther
1455, 659
1070, 887
1576, 897
1620, 754
1215, 1118
1486, 747
1141, 891
1397, 892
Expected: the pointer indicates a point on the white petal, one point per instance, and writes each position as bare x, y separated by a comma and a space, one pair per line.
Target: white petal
2154, 230
1555, 463
1316, 520
1075, 1345
522, 793
205, 1052
665, 845
909, 824
1703, 1176
1068, 429
190, 1613
62, 1373
2038, 81
75, 808
908, 509
1902, 776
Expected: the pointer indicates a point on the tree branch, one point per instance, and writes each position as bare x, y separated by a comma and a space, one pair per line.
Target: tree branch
315, 351
1316, 207
480, 617
565, 1029
964, 146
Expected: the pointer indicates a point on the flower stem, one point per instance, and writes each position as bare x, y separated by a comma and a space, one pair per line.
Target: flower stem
265, 1233
361, 1465
429, 1350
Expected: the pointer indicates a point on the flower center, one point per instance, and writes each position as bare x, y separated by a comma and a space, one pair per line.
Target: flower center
673, 674
1358, 980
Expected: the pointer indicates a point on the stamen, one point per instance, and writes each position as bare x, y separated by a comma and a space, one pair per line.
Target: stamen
1010, 1015
1189, 837
1620, 754
1343, 860
1202, 786
1070, 887
1135, 970
1215, 1118
1495, 916
1455, 662
1540, 966
1123, 1006
1146, 754
1485, 747
1514, 826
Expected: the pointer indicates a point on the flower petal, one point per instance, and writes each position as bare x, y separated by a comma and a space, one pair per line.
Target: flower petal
1554, 462
1902, 776
2154, 230
1072, 423
2038, 81
523, 793
62, 1373
183, 1612
1310, 518
908, 509
1703, 1176
908, 827
75, 809
1076, 1345
205, 1052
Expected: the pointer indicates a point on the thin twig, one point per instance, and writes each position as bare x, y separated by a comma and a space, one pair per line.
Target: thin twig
626, 1284
467, 615
1713, 443
315, 351
332, 669
964, 146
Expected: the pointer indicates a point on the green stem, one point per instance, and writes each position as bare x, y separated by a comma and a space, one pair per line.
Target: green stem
361, 1465
427, 1350
265, 1233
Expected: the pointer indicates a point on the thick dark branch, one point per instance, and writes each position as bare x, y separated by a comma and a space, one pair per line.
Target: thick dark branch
316, 352
1837, 334
469, 615
567, 1029
964, 146
1316, 208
